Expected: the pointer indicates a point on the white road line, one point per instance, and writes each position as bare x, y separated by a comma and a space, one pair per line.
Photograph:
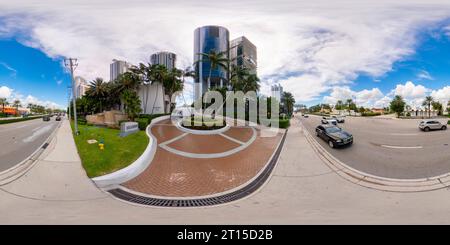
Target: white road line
37, 133
173, 139
232, 139
405, 134
402, 147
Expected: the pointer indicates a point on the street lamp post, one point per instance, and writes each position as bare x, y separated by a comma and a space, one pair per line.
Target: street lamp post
72, 64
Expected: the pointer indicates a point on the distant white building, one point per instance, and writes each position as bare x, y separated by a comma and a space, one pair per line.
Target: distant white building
277, 92
117, 67
152, 98
81, 87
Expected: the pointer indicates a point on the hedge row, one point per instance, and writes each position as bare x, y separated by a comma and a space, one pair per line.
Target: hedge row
18, 120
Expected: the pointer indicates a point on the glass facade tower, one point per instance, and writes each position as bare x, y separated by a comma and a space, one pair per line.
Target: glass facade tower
164, 58
206, 39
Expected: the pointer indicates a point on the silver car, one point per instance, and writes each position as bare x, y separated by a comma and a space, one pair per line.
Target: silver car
328, 121
428, 125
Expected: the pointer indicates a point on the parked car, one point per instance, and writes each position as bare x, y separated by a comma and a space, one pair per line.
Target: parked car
334, 135
305, 115
58, 118
428, 125
46, 118
328, 121
339, 119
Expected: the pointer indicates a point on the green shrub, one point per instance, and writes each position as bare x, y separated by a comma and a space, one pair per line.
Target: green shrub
142, 123
448, 122
18, 120
284, 123
82, 121
370, 114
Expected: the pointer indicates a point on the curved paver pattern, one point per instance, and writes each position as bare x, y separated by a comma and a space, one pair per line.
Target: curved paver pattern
203, 144
239, 133
172, 175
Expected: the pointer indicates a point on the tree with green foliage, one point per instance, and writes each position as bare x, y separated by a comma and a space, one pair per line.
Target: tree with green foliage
172, 83
288, 102
339, 105
132, 103
4, 102
216, 60
99, 92
397, 105
17, 104
428, 102
437, 106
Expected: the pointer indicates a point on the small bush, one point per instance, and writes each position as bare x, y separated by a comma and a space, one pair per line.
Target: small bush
284, 123
370, 114
82, 121
142, 123
18, 120
448, 122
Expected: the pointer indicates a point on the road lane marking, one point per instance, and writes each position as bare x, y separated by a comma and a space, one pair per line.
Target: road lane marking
37, 133
402, 147
405, 134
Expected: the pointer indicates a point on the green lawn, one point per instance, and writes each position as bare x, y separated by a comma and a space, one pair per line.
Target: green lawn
118, 153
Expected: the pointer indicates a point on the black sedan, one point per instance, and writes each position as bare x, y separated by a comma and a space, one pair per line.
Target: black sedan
335, 136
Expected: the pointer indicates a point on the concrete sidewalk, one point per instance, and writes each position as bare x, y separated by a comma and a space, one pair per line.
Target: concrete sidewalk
302, 190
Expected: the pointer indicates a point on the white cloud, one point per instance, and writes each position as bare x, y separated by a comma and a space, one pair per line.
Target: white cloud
308, 47
9, 68
442, 95
11, 95
5, 92
366, 98
410, 91
424, 75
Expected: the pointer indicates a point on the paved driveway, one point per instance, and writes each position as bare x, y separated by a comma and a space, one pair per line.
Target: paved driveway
391, 148
188, 165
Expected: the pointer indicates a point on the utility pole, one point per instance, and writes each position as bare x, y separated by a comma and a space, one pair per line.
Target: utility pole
68, 101
72, 63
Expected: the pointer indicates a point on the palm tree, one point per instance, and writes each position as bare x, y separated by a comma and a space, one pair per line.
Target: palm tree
238, 74
215, 59
157, 74
173, 83
288, 101
98, 91
17, 104
143, 72
3, 102
428, 102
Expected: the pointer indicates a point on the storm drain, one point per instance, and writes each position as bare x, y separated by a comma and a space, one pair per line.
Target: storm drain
229, 197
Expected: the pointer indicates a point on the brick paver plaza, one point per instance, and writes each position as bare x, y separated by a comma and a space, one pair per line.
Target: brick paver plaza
188, 165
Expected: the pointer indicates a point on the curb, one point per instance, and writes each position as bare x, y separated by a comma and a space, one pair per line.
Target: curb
372, 181
18, 170
244, 190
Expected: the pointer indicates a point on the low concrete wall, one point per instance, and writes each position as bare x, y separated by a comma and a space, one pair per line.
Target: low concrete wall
137, 167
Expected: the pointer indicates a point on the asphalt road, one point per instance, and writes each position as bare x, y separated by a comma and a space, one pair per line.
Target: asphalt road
392, 148
19, 140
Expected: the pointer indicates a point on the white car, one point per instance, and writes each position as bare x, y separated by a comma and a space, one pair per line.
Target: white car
428, 125
329, 121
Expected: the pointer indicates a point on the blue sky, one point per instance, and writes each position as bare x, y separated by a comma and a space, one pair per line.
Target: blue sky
28, 71
321, 51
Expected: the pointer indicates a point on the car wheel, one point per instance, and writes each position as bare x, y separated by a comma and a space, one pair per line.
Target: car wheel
317, 134
444, 127
426, 129
331, 144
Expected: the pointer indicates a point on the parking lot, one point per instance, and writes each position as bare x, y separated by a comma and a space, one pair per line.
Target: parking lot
389, 147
